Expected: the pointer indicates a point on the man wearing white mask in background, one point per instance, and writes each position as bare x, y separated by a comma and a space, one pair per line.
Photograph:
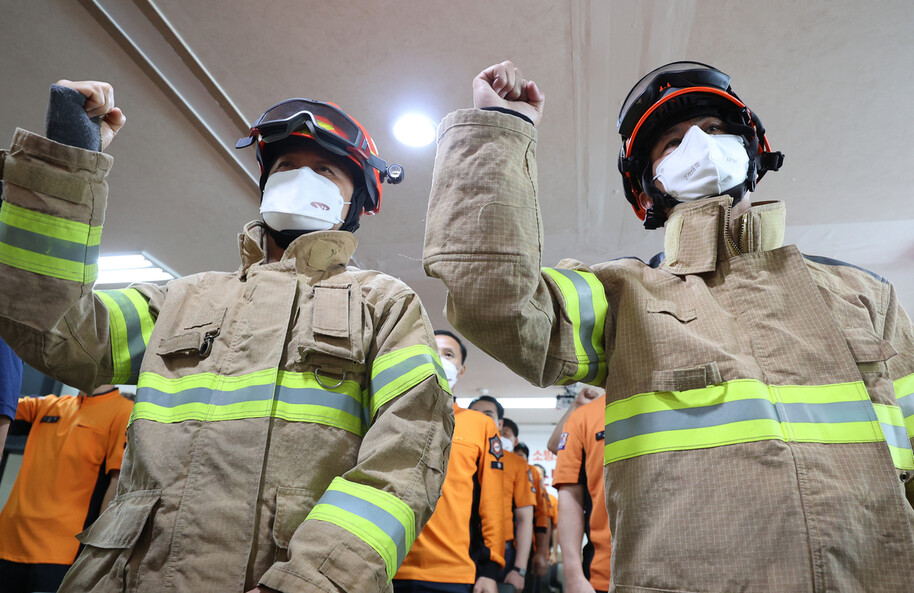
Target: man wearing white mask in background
461, 549
292, 420
756, 398
519, 499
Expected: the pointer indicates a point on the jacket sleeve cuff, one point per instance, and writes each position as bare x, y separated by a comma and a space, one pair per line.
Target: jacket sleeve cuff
345, 567
509, 112
37, 164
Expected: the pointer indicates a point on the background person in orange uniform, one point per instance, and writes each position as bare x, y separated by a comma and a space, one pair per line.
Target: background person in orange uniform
586, 394
467, 528
69, 473
582, 508
519, 500
539, 555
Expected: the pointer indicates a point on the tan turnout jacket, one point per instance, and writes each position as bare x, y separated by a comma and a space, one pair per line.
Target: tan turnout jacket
756, 397
292, 421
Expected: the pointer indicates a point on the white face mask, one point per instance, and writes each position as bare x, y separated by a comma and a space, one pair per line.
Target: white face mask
301, 200
703, 165
450, 371
507, 444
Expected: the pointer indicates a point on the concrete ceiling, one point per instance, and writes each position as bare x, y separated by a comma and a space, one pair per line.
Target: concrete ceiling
831, 80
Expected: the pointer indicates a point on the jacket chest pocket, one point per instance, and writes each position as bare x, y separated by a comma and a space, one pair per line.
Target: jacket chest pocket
195, 337
330, 338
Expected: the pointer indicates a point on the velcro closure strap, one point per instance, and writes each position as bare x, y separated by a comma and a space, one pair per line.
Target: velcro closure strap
47, 180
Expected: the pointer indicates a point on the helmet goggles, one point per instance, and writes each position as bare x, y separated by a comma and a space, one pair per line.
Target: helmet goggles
333, 130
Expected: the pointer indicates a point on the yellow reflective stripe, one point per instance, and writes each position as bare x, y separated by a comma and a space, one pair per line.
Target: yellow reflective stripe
738, 412
296, 397
48, 245
130, 326
586, 306
397, 372
904, 393
891, 419
51, 226
378, 518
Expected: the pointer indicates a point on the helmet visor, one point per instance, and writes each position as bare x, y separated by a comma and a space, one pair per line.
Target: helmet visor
671, 77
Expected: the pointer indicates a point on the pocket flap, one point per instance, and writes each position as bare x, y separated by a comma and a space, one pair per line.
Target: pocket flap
331, 311
865, 346
684, 379
682, 313
186, 343
120, 525
292, 507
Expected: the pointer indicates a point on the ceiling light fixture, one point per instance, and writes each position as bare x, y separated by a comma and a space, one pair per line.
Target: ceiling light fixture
517, 403
414, 129
133, 267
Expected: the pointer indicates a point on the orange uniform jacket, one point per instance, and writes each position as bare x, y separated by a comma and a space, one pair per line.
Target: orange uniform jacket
580, 461
519, 490
468, 523
74, 442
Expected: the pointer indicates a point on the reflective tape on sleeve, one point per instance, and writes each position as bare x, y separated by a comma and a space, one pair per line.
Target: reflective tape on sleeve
397, 372
378, 518
904, 393
295, 397
130, 326
891, 420
740, 411
586, 306
48, 245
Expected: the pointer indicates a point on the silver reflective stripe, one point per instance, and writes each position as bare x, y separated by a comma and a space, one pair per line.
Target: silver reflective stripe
382, 379
376, 515
318, 397
588, 320
289, 395
49, 246
896, 436
906, 402
136, 345
736, 411
853, 411
204, 395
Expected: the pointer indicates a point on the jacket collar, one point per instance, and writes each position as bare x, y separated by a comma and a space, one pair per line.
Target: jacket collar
318, 254
695, 236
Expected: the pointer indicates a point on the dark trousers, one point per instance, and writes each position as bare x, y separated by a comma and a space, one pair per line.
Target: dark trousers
17, 577
404, 586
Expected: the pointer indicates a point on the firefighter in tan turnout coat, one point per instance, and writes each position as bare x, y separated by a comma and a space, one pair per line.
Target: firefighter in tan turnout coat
756, 398
292, 421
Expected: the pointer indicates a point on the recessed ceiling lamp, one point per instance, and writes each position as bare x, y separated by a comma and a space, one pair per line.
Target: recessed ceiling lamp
517, 403
414, 129
133, 267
